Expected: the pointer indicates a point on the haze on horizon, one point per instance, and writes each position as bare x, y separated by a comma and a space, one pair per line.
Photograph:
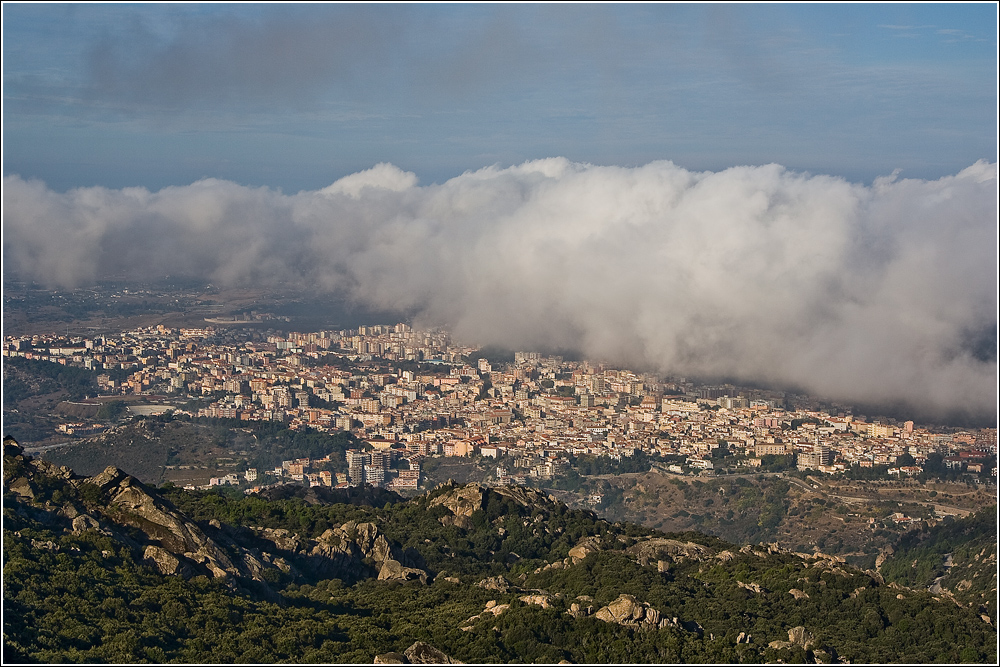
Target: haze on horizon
793, 195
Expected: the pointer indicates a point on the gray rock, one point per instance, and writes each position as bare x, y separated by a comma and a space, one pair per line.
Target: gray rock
83, 523
801, 637
584, 547
626, 610
661, 548
462, 501
162, 560
22, 487
497, 583
393, 570
391, 658
425, 654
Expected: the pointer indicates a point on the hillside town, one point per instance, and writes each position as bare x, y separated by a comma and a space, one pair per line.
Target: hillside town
414, 394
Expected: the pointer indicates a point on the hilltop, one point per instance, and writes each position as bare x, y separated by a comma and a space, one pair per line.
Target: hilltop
105, 568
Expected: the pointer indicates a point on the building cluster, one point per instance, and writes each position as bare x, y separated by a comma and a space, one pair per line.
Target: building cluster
414, 394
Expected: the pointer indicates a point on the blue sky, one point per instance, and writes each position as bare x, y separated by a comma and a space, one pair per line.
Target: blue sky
296, 97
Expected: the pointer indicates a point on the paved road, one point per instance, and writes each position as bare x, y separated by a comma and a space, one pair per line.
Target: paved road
45, 448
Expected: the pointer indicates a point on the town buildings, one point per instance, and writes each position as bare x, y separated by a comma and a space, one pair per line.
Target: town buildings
413, 394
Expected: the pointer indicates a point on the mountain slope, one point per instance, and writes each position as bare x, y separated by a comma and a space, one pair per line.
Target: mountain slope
106, 569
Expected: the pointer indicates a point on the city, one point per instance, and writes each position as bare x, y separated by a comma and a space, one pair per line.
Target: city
412, 394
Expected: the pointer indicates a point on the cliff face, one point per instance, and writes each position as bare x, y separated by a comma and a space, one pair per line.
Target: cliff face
120, 506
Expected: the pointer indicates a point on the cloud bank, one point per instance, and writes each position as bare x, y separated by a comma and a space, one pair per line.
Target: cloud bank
883, 294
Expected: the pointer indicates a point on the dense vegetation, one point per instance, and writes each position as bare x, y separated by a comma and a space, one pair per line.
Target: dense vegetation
25, 378
88, 595
961, 554
32, 388
144, 446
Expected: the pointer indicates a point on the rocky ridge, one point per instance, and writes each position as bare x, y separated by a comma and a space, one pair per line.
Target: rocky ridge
118, 505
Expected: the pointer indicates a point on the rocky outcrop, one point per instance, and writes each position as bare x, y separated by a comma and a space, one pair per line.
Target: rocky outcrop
343, 552
558, 565
22, 487
797, 636
462, 501
497, 583
538, 600
523, 496
162, 560
391, 658
418, 654
626, 610
173, 544
585, 547
129, 503
797, 594
492, 608
661, 548
425, 654
393, 570
753, 587
749, 549
577, 610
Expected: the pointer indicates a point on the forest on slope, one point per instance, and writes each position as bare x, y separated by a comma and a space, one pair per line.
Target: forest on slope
106, 569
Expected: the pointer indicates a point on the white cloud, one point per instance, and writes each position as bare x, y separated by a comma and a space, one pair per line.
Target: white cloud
881, 294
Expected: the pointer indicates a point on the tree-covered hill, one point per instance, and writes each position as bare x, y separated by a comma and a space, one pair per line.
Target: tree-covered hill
957, 558
106, 569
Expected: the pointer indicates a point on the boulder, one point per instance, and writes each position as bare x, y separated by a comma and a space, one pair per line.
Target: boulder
462, 501
626, 610
800, 636
753, 587
83, 523
522, 496
540, 600
499, 609
162, 560
393, 570
797, 594
22, 487
48, 545
587, 545
661, 548
462, 522
497, 583
391, 658
425, 654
